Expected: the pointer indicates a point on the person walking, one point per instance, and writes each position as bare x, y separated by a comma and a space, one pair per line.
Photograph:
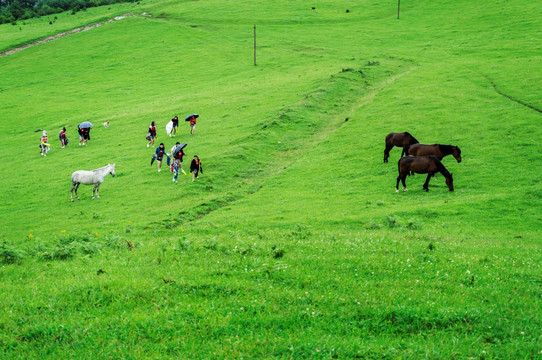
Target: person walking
193, 119
195, 167
151, 135
179, 156
86, 135
176, 166
160, 152
81, 137
62, 138
172, 151
44, 145
175, 146
175, 127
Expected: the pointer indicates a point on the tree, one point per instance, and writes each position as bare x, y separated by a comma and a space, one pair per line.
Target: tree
16, 9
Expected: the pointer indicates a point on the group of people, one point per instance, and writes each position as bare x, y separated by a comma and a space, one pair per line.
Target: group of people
176, 153
151, 133
44, 141
176, 165
84, 135
193, 119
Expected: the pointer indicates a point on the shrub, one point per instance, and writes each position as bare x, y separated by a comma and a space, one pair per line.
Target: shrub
68, 247
9, 254
393, 222
277, 252
372, 225
413, 224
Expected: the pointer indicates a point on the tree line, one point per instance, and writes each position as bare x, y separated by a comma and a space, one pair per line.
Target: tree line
13, 10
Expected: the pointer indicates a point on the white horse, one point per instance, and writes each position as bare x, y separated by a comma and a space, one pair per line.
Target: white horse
92, 177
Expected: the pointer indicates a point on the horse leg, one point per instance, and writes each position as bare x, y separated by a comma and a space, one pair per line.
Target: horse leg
71, 191
403, 179
93, 191
77, 187
97, 190
426, 185
387, 152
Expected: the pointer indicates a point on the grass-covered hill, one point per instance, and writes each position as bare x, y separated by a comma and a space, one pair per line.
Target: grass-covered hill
293, 242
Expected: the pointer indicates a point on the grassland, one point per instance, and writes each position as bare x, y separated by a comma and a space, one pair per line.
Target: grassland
293, 243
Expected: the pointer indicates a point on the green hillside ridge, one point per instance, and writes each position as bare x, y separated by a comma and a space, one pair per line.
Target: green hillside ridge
293, 242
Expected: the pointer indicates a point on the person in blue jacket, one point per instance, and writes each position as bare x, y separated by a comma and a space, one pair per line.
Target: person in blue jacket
159, 154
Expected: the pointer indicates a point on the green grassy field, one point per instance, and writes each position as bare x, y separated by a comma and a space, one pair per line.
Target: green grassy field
293, 242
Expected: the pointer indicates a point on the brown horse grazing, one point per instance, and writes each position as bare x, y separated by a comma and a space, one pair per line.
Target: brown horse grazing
422, 165
438, 150
403, 140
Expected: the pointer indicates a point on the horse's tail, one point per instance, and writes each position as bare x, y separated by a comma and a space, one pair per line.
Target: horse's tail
74, 177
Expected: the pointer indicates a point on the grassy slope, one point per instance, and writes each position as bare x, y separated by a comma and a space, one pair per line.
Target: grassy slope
306, 251
34, 29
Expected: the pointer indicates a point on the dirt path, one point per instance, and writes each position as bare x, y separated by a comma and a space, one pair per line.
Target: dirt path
510, 97
62, 34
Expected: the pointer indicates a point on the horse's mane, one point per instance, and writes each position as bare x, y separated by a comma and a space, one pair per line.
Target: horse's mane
103, 167
440, 167
446, 149
412, 138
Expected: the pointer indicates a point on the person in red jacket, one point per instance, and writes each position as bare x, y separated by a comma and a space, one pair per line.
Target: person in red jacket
193, 121
151, 135
62, 137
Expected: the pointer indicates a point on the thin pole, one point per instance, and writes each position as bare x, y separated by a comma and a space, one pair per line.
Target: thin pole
254, 44
398, 7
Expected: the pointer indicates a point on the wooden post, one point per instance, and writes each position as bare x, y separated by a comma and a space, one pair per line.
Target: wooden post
254, 44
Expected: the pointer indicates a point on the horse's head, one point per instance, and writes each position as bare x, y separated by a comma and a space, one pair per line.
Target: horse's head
457, 153
112, 172
450, 182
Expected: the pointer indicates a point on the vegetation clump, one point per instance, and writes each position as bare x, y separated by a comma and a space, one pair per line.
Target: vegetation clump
13, 10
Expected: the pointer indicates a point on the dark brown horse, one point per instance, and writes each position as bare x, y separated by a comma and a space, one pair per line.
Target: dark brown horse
422, 165
438, 150
403, 140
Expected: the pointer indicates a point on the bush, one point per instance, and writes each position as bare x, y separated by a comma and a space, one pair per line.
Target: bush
9, 254
20, 10
393, 221
68, 247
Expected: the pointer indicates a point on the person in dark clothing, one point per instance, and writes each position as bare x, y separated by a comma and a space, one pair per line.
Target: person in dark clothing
151, 135
195, 167
86, 135
179, 155
175, 122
